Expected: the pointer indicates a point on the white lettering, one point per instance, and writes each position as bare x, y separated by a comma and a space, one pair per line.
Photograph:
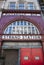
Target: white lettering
21, 37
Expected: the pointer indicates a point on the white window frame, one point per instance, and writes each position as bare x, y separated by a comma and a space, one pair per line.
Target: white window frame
11, 7
29, 7
22, 7
17, 29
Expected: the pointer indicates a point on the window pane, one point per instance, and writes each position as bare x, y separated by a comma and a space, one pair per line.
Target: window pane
28, 23
14, 23
18, 23
25, 32
10, 30
12, 5
32, 28
21, 32
21, 22
21, 6
6, 31
24, 23
30, 6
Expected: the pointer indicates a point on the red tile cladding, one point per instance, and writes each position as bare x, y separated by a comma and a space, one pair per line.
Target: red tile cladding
36, 20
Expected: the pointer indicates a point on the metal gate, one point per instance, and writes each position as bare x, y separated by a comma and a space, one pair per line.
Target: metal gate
11, 57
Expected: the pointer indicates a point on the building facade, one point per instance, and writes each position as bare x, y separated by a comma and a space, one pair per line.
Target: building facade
21, 33
41, 2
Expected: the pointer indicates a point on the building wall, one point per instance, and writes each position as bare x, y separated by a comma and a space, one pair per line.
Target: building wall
25, 1
4, 4
41, 3
7, 19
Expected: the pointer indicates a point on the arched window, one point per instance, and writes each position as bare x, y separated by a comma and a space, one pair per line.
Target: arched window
21, 27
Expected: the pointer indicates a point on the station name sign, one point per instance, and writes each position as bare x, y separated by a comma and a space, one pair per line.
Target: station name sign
22, 37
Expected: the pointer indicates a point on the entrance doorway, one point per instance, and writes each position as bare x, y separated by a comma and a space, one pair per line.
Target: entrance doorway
11, 57
31, 56
29, 53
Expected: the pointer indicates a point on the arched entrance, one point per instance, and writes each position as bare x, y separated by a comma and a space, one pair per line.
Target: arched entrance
25, 52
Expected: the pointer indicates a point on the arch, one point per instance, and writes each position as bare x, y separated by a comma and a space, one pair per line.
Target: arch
25, 18
21, 27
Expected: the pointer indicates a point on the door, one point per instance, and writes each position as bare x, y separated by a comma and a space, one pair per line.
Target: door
25, 56
11, 57
37, 56
31, 56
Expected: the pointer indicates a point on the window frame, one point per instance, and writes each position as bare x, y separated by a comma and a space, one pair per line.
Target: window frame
12, 7
21, 7
32, 7
27, 29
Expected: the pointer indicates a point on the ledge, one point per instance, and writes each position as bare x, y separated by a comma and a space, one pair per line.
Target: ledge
21, 11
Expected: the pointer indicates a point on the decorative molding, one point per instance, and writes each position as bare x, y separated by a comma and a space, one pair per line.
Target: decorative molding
21, 11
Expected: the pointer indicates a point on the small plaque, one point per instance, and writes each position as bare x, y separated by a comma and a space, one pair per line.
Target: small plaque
37, 58
26, 58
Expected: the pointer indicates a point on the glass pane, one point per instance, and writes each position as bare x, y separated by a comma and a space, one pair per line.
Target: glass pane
21, 6
12, 5
14, 23
25, 32
30, 6
21, 32
21, 22
24, 23
6, 31
21, 28
32, 28
29, 28
10, 30
18, 23
28, 23
25, 28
